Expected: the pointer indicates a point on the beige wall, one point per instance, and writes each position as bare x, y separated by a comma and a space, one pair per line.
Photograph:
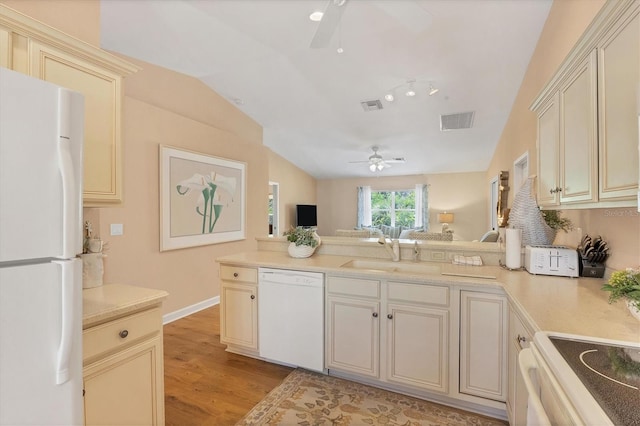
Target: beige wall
464, 194
295, 185
566, 22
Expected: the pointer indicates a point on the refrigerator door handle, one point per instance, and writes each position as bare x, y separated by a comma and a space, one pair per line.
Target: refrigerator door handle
69, 198
68, 319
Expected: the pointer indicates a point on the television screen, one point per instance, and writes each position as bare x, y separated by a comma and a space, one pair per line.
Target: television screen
306, 215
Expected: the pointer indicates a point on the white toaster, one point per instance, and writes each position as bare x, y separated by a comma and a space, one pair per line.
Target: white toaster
551, 260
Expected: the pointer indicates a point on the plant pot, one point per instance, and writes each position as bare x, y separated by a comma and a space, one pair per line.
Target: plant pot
633, 309
300, 251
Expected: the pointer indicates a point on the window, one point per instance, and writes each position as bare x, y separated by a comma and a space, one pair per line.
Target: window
393, 208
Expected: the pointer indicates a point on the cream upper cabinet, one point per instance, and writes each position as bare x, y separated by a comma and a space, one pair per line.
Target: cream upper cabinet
30, 47
578, 132
618, 82
483, 346
548, 142
592, 104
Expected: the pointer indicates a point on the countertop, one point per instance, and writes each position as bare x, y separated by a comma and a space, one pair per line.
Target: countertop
110, 301
547, 303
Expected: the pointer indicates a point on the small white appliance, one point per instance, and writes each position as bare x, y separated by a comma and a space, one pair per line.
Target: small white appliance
41, 138
291, 317
551, 260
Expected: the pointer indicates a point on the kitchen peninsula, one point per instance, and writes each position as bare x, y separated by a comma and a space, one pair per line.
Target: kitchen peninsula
466, 318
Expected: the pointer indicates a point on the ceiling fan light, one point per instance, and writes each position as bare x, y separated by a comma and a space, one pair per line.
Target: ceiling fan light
380, 166
372, 167
388, 97
316, 16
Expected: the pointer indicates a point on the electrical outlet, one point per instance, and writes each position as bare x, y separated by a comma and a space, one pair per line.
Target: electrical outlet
117, 229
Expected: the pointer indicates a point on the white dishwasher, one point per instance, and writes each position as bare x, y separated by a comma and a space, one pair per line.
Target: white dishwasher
291, 317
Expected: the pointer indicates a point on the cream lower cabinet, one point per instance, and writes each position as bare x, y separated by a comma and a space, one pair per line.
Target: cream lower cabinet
123, 371
483, 345
239, 309
394, 332
520, 337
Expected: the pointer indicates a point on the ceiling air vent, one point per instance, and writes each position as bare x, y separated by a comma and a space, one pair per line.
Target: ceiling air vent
371, 105
461, 120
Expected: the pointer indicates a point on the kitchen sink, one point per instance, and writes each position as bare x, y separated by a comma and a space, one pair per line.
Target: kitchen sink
386, 266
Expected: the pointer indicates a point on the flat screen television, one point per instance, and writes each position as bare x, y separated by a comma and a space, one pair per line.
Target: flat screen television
306, 215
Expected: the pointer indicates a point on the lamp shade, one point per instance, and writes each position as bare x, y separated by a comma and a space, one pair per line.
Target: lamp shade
445, 217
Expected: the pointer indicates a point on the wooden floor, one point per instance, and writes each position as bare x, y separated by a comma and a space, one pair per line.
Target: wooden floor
203, 384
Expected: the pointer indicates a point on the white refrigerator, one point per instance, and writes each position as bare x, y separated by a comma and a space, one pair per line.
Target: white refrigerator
41, 138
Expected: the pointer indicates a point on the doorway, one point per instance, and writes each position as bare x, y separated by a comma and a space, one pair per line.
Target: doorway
274, 208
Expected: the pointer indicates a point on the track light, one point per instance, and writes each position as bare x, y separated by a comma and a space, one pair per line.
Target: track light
410, 92
432, 90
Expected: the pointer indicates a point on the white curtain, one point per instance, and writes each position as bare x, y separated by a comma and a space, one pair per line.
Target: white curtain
364, 206
422, 206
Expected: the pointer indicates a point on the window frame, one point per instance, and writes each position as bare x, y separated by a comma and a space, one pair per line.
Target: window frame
392, 210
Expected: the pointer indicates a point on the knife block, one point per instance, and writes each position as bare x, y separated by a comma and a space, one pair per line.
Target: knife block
590, 269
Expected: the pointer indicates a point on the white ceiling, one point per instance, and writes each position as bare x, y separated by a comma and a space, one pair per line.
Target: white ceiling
257, 54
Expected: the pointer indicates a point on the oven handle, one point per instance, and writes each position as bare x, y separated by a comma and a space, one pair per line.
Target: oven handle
536, 414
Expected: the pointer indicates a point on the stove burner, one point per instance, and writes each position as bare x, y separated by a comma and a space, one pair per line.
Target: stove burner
602, 369
597, 372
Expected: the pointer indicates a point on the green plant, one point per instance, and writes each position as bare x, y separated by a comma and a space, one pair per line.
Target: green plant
302, 236
624, 285
553, 219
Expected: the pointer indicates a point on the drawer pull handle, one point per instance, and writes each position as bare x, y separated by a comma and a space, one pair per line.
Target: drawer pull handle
375, 315
389, 316
253, 296
235, 275
123, 333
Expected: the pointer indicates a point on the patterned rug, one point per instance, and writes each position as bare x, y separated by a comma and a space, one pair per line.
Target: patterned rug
307, 398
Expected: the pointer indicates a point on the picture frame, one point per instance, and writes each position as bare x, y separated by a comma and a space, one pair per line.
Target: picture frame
202, 199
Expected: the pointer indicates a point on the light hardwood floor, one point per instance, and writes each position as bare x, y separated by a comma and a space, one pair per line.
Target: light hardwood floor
203, 384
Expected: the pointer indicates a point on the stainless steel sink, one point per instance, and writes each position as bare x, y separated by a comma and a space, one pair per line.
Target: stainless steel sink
386, 266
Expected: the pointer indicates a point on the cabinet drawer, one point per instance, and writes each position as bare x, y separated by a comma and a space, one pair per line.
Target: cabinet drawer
353, 287
418, 293
237, 273
119, 333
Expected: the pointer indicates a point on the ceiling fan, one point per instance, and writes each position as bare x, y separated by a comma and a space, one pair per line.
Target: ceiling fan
377, 163
328, 23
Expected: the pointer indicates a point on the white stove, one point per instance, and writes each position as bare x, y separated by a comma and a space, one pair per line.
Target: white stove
581, 380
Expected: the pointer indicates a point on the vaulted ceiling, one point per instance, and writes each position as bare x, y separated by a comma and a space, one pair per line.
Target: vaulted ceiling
258, 55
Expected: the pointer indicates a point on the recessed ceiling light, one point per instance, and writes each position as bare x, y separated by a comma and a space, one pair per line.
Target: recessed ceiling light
388, 97
340, 50
316, 16
410, 93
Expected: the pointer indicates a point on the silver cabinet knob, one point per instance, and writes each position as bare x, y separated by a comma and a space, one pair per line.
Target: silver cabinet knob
389, 316
375, 315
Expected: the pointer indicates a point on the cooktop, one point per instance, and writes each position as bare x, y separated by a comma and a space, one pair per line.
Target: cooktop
610, 373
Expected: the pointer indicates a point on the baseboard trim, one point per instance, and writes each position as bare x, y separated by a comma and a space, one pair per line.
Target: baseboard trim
186, 311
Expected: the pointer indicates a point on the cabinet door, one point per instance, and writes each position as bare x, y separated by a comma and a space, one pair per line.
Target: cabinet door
5, 48
239, 315
126, 388
548, 182
618, 75
519, 338
353, 335
578, 133
102, 92
483, 346
418, 346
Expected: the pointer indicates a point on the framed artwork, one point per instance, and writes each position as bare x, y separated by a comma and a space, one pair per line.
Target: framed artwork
202, 199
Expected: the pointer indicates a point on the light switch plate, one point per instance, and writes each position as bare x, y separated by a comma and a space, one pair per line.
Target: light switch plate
117, 229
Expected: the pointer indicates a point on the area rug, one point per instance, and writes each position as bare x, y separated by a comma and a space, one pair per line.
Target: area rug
308, 398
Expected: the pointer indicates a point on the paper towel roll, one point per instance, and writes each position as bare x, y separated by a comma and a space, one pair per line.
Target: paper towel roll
513, 249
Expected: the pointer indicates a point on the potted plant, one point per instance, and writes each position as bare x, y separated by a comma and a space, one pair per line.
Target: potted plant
625, 285
302, 241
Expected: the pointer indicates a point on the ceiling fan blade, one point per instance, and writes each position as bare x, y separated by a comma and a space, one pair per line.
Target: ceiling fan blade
364, 161
396, 160
328, 24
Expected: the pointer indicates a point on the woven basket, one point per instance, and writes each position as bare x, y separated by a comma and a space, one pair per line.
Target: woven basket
300, 251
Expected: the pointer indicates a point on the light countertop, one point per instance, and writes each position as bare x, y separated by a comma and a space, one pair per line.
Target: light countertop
548, 303
110, 301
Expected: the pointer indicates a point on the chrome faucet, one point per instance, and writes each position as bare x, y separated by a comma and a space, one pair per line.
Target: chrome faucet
392, 247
